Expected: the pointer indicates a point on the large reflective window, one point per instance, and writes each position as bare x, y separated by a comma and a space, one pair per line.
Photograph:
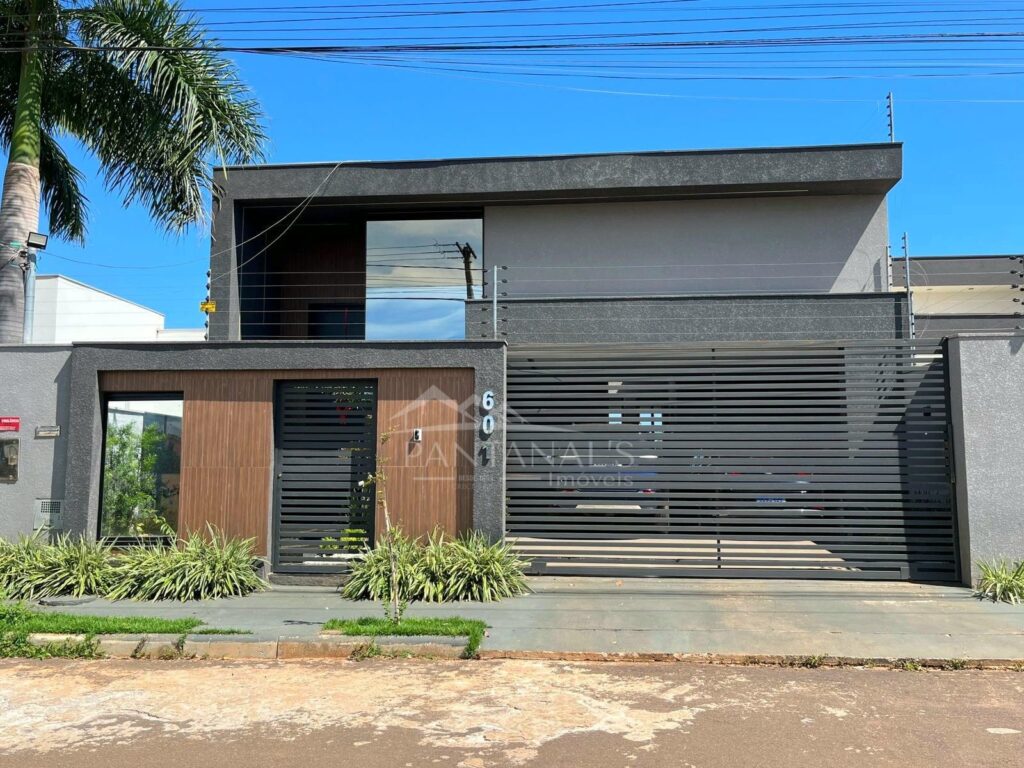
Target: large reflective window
419, 274
141, 467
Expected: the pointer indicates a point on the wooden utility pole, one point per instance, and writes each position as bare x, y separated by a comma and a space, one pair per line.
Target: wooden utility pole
468, 254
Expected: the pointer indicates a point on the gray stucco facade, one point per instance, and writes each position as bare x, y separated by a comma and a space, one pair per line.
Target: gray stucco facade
691, 319
37, 384
987, 403
765, 244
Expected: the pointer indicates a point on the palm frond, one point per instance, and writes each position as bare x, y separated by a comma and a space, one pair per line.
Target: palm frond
62, 191
157, 108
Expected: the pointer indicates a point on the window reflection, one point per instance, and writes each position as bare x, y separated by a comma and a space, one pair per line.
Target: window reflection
141, 467
416, 277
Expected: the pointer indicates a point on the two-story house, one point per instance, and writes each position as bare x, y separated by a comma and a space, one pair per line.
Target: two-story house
659, 363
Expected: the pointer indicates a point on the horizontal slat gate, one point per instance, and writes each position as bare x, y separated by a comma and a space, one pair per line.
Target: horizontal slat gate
777, 460
325, 443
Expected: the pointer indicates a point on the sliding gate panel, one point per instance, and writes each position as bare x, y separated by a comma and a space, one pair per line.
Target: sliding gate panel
815, 460
324, 445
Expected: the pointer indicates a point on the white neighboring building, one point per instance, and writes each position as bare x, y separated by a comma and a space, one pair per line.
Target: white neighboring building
67, 311
180, 334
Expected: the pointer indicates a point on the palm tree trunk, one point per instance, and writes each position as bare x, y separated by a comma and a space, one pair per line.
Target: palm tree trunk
19, 205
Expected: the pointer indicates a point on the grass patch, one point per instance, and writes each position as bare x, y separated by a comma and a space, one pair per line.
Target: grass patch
471, 629
17, 622
69, 624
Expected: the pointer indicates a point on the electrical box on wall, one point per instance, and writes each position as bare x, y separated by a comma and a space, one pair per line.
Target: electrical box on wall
48, 514
9, 450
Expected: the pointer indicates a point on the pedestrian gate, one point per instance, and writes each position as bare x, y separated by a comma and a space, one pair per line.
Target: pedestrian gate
324, 445
768, 460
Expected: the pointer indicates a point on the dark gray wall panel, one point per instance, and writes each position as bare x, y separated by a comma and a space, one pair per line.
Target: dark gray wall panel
987, 398
686, 319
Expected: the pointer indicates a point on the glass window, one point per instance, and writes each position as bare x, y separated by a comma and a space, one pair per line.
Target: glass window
417, 279
141, 467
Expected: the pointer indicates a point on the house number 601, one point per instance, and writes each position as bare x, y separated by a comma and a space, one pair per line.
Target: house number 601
487, 404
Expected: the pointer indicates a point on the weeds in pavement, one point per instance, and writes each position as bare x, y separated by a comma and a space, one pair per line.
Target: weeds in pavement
813, 662
907, 665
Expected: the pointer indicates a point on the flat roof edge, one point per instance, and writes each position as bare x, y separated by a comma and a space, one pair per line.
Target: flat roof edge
410, 162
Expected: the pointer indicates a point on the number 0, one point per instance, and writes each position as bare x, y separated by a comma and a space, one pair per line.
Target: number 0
487, 425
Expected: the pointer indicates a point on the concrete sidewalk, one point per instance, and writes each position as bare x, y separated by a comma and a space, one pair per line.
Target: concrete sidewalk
599, 615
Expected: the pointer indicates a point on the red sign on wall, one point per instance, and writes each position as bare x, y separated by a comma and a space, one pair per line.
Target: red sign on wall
10, 423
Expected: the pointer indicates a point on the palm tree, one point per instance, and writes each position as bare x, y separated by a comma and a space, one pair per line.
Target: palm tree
139, 85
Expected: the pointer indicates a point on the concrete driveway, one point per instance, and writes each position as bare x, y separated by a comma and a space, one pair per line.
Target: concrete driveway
484, 714
799, 618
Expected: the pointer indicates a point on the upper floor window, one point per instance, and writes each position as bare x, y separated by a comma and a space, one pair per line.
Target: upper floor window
419, 273
336, 273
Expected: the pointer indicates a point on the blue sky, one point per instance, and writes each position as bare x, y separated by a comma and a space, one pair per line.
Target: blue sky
961, 192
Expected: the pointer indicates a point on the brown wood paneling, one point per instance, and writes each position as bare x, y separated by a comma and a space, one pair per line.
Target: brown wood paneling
227, 444
316, 264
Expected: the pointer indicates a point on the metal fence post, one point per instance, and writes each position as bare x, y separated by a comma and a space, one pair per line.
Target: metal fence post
494, 299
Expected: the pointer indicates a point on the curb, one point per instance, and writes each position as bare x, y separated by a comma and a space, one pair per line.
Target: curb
329, 646
755, 659
251, 647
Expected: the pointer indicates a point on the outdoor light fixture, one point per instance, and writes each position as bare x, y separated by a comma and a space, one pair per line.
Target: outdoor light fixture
37, 240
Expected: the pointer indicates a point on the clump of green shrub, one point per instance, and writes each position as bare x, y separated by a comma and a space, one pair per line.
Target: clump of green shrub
442, 570
1001, 581
372, 577
32, 567
201, 567
16, 558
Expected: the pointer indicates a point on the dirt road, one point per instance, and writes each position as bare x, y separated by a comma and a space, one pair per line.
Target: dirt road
387, 713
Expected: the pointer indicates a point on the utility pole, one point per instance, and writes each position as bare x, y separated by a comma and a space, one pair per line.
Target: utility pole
468, 254
910, 293
890, 108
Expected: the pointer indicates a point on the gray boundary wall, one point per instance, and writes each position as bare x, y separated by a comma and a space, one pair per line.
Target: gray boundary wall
691, 319
34, 386
987, 405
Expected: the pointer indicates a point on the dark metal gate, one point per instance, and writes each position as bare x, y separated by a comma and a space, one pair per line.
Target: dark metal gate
324, 444
807, 460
